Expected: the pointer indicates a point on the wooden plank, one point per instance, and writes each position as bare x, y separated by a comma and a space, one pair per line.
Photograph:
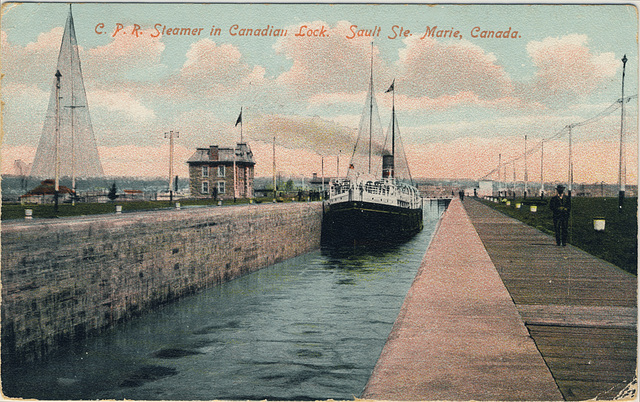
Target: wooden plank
589, 316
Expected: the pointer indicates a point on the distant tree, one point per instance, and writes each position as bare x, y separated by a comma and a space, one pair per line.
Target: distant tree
288, 185
113, 192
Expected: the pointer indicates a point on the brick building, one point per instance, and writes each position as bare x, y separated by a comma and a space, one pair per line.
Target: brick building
211, 172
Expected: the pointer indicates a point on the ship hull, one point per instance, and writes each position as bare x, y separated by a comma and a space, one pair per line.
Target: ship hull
367, 222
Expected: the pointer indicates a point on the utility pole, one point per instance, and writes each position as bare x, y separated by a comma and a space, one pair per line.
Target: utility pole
170, 135
526, 173
570, 161
73, 149
514, 179
499, 168
57, 161
275, 193
622, 170
542, 169
322, 170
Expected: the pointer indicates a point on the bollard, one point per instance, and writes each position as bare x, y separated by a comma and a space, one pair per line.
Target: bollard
598, 224
177, 205
533, 208
118, 209
219, 203
28, 214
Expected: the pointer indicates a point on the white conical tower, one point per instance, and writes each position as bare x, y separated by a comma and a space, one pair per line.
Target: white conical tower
77, 150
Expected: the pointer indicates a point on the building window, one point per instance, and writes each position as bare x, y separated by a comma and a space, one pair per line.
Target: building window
205, 171
221, 187
221, 171
205, 187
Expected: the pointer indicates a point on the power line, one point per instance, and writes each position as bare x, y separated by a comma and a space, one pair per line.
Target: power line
558, 134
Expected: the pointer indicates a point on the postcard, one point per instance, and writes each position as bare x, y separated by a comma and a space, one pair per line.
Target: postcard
295, 201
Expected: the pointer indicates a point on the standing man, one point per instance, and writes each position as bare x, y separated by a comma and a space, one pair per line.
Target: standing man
560, 205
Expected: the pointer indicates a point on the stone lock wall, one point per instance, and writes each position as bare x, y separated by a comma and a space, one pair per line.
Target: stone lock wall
64, 279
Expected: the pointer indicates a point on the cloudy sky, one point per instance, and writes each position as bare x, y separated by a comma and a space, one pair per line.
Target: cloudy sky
461, 99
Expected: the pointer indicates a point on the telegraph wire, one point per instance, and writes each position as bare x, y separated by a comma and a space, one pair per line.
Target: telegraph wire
560, 133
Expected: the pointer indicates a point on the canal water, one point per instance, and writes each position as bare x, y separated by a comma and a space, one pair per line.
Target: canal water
308, 328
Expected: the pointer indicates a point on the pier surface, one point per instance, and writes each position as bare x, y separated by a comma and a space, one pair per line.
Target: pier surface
580, 310
498, 312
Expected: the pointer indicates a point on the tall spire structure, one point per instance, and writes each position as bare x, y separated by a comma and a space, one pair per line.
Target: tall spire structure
67, 134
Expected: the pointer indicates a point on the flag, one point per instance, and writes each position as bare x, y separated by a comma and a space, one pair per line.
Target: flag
239, 121
391, 87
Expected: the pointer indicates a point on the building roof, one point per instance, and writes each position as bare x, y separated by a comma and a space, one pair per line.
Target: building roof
48, 187
214, 153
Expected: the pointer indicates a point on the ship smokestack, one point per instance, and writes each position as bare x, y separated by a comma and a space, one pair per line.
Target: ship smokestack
387, 166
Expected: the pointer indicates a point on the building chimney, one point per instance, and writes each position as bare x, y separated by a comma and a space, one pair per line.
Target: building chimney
213, 153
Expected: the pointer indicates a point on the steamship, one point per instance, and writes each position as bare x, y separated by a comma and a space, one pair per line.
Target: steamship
366, 207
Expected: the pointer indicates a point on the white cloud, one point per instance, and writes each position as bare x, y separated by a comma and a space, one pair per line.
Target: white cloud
122, 103
332, 64
567, 70
434, 69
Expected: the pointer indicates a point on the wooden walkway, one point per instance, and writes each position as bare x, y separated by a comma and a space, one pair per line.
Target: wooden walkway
580, 311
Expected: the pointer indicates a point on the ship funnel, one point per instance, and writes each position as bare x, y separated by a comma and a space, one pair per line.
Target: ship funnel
387, 166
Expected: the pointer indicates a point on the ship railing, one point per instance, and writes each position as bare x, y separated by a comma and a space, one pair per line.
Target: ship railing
373, 191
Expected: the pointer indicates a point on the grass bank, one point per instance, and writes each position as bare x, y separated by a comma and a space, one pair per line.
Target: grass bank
617, 244
17, 211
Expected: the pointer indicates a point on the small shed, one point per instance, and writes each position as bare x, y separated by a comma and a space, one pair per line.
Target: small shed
45, 192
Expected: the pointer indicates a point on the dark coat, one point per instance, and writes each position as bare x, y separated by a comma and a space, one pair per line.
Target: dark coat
560, 206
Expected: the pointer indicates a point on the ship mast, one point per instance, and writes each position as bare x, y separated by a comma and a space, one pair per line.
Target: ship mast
388, 161
393, 128
371, 108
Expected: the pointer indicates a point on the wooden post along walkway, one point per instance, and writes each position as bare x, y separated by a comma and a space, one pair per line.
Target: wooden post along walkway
580, 310
459, 335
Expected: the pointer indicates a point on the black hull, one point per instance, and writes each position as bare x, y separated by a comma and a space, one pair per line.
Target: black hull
363, 222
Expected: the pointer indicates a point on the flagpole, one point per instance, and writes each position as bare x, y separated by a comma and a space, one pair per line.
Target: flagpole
235, 147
